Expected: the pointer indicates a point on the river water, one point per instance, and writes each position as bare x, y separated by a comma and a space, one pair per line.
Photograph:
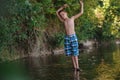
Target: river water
99, 63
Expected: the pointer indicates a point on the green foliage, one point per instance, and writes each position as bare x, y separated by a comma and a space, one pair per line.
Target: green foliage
19, 25
111, 23
22, 20
56, 40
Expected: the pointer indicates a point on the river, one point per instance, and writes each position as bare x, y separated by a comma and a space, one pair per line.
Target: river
100, 63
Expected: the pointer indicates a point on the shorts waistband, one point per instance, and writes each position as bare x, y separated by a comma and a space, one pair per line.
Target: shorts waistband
71, 35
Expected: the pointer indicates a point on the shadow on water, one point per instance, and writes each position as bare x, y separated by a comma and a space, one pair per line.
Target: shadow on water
101, 63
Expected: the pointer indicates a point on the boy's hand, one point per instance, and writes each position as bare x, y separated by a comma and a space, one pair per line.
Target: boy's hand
65, 5
81, 2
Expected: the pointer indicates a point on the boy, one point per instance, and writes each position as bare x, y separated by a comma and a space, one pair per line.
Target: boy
71, 42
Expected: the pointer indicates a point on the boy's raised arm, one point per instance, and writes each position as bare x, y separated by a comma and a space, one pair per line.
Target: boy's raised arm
60, 9
81, 12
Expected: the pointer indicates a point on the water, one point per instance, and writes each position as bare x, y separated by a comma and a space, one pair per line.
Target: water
100, 63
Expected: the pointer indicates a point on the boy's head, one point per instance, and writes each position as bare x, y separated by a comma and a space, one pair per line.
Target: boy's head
63, 14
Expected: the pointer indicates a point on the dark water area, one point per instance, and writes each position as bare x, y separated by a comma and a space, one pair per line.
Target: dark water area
99, 63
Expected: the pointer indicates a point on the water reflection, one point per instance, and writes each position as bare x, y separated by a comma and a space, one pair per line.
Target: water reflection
13, 70
102, 63
110, 71
76, 75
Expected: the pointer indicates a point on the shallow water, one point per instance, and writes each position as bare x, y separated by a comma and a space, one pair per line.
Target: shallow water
99, 63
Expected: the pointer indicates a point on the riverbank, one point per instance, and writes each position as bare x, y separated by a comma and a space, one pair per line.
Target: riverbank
87, 46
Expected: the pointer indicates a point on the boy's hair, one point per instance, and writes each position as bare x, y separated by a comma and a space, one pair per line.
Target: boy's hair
60, 12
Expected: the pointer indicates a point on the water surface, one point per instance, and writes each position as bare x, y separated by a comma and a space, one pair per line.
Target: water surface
99, 63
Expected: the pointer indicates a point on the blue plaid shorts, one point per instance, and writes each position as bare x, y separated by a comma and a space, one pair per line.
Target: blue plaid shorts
71, 45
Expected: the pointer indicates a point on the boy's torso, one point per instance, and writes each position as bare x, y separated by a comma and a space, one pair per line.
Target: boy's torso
69, 26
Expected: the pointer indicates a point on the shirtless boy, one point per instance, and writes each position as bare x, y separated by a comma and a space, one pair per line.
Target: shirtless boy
70, 40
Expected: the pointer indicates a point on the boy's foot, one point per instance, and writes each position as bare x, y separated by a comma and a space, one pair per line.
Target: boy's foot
77, 69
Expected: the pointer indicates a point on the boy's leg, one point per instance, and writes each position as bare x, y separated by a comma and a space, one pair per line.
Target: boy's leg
75, 52
74, 62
